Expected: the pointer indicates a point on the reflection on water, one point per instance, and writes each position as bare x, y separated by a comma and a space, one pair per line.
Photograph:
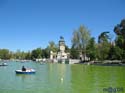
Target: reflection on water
93, 79
61, 78
24, 77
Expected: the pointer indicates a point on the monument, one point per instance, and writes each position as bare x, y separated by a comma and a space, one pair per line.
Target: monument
61, 56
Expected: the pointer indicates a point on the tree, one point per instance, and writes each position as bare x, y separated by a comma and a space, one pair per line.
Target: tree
12, 56
36, 53
74, 53
52, 46
91, 49
80, 39
28, 55
115, 53
45, 53
18, 54
103, 45
67, 49
4, 54
119, 29
103, 37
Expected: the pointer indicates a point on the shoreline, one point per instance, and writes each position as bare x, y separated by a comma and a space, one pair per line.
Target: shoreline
105, 63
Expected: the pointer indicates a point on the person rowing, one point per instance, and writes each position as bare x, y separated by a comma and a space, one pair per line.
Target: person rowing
23, 68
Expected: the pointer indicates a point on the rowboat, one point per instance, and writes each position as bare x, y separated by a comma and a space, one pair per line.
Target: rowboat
28, 71
3, 64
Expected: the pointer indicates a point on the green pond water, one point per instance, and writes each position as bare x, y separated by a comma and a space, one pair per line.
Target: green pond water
62, 78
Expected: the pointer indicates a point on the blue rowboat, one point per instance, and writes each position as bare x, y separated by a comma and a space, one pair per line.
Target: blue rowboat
28, 71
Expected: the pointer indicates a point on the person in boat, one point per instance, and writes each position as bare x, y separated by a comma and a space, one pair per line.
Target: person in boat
23, 68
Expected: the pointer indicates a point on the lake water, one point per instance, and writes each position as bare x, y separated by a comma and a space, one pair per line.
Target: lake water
62, 78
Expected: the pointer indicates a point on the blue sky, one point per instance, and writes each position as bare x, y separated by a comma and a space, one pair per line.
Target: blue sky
28, 24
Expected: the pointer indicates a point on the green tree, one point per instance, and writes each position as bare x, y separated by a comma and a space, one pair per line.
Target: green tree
80, 39
120, 32
36, 53
91, 49
45, 53
120, 41
115, 53
74, 53
67, 49
12, 56
119, 29
52, 46
103, 46
18, 54
4, 54
28, 55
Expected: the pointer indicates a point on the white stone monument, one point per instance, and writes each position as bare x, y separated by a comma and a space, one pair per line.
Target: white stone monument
61, 54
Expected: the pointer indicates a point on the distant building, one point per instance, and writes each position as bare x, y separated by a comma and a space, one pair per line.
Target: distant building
61, 55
